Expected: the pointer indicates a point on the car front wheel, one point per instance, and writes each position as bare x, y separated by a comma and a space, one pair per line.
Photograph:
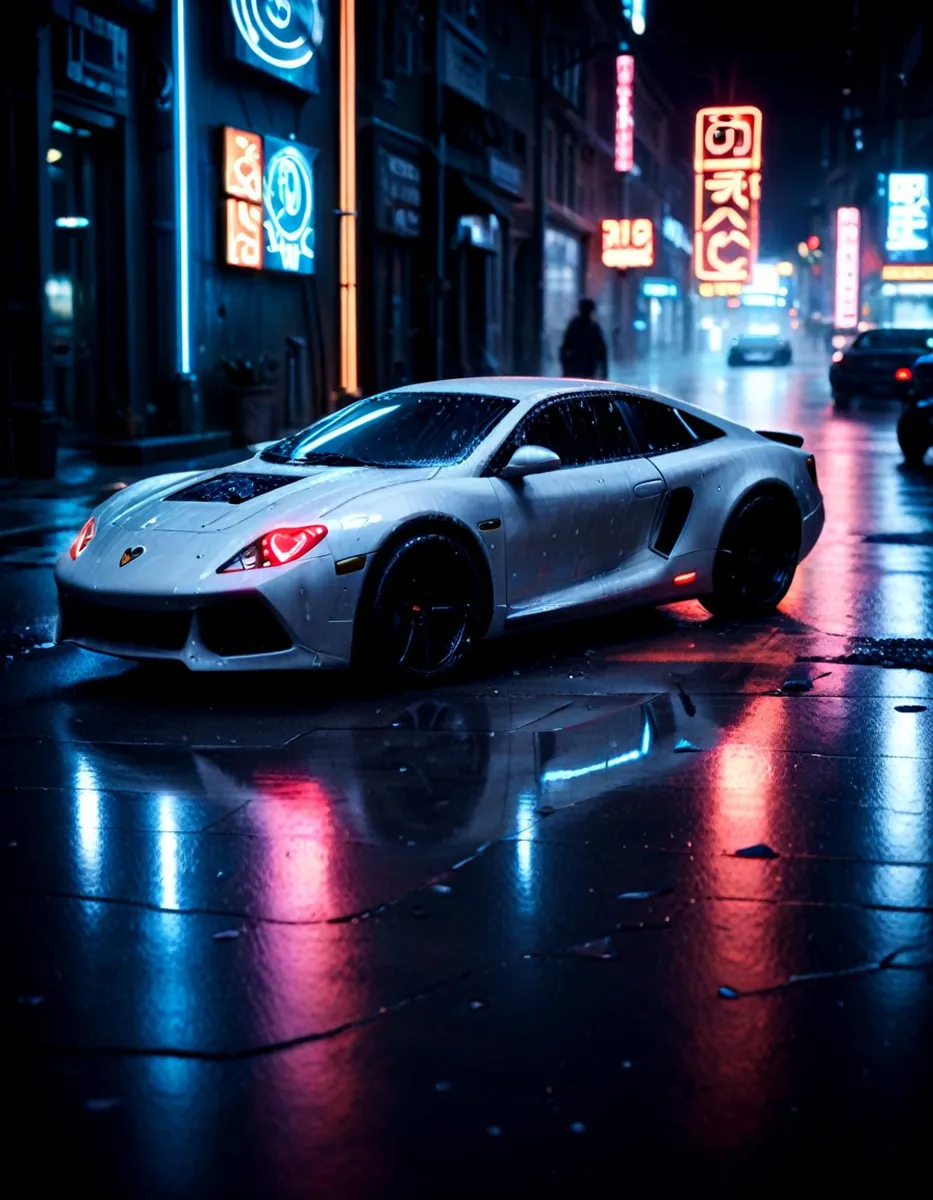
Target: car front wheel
913, 436
756, 559
425, 610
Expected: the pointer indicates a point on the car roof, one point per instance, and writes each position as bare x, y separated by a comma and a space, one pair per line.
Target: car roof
526, 389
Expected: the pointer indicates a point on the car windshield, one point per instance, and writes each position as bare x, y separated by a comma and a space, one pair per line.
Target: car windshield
917, 340
396, 429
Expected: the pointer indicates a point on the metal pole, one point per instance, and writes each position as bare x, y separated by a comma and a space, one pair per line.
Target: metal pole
539, 197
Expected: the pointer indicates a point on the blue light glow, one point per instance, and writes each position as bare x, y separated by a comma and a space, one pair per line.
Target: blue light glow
909, 233
61, 127
72, 222
181, 189
363, 420
638, 16
630, 756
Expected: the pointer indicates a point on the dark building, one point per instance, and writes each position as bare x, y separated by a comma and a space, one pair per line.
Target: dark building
189, 229
883, 128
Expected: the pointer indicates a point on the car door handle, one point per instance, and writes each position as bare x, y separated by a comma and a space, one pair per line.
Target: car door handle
650, 487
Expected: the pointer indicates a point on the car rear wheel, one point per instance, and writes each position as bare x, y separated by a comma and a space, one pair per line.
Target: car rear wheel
913, 436
425, 612
756, 559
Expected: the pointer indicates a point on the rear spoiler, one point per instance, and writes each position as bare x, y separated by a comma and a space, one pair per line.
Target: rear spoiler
786, 439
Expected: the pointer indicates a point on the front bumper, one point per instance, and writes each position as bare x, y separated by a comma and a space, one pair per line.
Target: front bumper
298, 616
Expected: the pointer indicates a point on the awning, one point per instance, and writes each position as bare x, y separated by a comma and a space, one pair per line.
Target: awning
474, 190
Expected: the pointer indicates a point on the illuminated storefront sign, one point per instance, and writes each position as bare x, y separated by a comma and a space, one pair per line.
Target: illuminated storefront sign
908, 273
625, 117
269, 190
281, 37
659, 289
848, 230
909, 232
628, 243
727, 191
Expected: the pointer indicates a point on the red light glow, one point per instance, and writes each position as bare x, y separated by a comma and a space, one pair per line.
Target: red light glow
628, 243
84, 538
683, 579
903, 374
625, 120
813, 242
277, 548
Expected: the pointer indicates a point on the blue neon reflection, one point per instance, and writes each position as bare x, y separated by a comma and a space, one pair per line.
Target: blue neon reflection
630, 756
181, 189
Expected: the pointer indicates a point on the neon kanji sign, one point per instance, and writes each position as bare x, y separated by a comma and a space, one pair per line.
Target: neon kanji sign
727, 192
625, 118
628, 243
848, 232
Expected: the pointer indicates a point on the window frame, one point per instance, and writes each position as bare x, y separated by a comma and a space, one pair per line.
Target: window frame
628, 397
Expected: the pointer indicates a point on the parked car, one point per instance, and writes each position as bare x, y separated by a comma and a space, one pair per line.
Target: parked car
763, 348
878, 363
400, 530
915, 426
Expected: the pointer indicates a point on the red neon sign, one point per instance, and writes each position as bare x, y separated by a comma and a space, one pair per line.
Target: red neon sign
848, 229
628, 243
243, 188
625, 115
727, 192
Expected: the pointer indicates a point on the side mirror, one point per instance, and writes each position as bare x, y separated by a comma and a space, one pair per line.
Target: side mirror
258, 447
530, 460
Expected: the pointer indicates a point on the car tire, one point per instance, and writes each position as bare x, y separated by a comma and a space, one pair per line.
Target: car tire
842, 401
913, 437
423, 612
757, 557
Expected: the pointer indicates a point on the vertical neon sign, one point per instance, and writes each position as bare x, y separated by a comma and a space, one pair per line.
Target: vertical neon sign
625, 118
183, 278
848, 232
727, 162
348, 333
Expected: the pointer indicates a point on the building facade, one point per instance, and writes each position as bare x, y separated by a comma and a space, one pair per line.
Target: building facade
232, 217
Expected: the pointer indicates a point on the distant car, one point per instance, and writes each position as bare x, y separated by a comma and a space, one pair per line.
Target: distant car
878, 363
915, 426
759, 348
402, 529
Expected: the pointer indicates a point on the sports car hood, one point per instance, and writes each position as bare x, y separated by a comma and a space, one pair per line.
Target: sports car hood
219, 500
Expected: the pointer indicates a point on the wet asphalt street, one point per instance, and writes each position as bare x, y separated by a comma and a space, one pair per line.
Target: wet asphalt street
293, 937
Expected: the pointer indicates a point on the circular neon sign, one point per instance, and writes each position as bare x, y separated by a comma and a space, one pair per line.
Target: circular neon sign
289, 204
282, 33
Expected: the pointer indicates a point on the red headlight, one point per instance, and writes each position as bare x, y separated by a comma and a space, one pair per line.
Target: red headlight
84, 538
903, 374
276, 548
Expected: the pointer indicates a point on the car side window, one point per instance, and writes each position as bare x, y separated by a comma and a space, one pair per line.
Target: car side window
658, 428
581, 430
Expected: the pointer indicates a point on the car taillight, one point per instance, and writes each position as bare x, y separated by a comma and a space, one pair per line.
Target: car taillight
84, 538
838, 356
903, 374
811, 469
276, 548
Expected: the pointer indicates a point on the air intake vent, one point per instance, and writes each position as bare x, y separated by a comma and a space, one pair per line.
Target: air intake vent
232, 487
675, 516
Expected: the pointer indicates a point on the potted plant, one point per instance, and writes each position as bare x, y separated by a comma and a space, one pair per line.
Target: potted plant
252, 395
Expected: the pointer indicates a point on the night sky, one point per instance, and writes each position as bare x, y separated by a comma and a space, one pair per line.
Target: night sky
787, 59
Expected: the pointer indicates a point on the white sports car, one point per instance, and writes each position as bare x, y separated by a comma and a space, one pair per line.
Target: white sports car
399, 531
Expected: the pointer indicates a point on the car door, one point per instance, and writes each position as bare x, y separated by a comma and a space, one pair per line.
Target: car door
567, 526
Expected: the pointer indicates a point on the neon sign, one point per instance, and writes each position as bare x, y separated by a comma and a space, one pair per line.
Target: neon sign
281, 37
907, 273
625, 118
848, 231
628, 243
269, 197
727, 192
288, 207
909, 235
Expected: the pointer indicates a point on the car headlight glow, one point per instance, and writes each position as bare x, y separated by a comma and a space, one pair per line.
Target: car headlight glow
84, 538
276, 548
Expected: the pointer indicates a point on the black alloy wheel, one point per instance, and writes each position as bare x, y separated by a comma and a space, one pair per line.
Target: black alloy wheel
756, 559
426, 609
913, 436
